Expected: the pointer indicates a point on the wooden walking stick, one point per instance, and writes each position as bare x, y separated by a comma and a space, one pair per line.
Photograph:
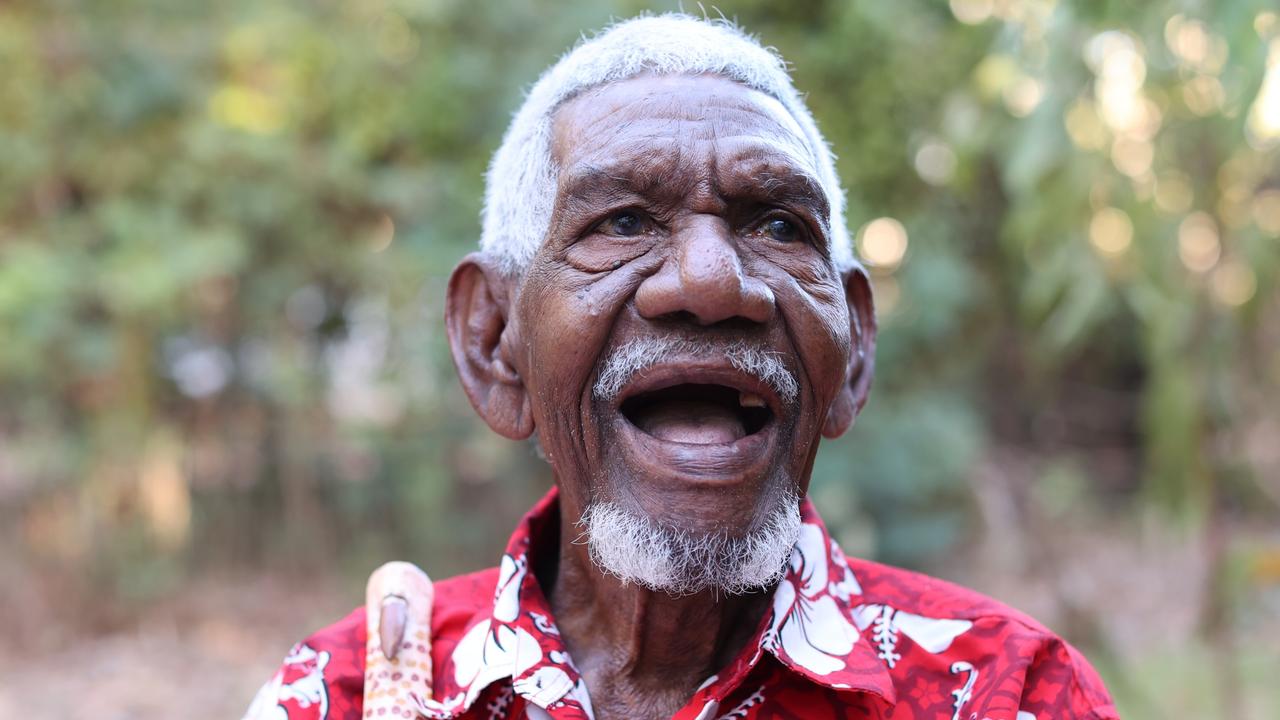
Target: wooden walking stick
398, 602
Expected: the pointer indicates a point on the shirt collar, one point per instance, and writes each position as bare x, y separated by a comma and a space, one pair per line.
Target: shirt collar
808, 629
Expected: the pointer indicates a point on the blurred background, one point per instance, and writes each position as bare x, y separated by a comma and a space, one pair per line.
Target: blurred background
225, 395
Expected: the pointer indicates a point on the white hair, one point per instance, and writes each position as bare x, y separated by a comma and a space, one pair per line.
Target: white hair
636, 356
520, 187
672, 560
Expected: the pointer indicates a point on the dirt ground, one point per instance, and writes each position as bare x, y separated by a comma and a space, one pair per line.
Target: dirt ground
199, 655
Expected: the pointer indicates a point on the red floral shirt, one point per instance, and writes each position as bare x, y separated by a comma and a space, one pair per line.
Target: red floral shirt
845, 638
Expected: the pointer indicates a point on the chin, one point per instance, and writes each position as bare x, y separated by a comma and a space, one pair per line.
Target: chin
702, 490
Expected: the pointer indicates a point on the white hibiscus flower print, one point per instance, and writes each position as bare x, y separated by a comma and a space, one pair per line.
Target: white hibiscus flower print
807, 625
933, 635
487, 653
506, 596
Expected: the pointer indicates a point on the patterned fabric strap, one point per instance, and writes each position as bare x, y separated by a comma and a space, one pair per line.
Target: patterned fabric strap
397, 665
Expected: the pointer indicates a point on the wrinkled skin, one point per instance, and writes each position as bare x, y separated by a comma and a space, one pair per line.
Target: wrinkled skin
686, 206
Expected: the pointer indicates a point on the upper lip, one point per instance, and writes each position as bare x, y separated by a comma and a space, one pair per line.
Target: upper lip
698, 372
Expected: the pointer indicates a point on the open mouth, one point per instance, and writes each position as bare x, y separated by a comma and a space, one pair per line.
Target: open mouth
697, 413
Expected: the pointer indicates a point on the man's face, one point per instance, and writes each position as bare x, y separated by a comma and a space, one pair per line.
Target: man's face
687, 262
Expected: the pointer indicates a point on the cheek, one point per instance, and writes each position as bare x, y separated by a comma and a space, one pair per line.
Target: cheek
567, 317
818, 321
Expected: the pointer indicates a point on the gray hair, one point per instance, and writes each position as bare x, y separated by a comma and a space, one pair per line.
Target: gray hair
520, 186
673, 560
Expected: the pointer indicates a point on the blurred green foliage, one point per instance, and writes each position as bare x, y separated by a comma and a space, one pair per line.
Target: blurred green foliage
225, 229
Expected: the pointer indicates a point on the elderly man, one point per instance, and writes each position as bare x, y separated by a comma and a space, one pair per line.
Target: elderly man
667, 299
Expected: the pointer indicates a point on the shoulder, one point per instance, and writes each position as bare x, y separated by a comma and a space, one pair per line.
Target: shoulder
322, 677
460, 603
1007, 652
927, 595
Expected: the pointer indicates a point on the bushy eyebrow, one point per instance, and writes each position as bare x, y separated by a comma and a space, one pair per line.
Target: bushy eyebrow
590, 180
781, 186
586, 190
609, 182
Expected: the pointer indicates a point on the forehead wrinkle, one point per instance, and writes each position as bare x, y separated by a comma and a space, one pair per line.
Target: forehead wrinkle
665, 103
666, 142
723, 157
779, 148
686, 121
646, 171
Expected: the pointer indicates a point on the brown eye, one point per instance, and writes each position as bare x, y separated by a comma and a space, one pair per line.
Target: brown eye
781, 230
627, 223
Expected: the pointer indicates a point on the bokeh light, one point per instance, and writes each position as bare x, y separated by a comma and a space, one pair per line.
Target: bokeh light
1264, 117
381, 234
1265, 23
1203, 95
1084, 126
1116, 59
883, 242
1193, 44
1023, 95
1199, 246
1266, 211
1111, 231
935, 162
972, 12
1132, 157
1233, 283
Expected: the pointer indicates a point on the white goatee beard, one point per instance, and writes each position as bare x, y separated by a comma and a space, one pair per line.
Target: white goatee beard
636, 550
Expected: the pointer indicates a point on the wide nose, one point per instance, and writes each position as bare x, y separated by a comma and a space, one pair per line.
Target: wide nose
703, 278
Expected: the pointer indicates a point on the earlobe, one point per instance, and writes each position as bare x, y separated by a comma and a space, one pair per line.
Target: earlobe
862, 353
476, 312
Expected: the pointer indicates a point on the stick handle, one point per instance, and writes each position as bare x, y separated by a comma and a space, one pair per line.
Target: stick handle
398, 603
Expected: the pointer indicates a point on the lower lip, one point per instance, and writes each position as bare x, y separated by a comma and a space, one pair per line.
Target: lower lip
718, 464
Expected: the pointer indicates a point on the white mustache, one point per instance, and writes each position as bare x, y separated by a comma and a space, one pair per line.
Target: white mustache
636, 356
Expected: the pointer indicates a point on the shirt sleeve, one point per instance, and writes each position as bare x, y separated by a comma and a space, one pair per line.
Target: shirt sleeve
1061, 684
322, 677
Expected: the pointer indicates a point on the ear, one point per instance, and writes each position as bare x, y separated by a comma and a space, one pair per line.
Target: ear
475, 316
862, 354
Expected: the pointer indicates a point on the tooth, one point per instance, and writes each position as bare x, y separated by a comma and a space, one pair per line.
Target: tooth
747, 399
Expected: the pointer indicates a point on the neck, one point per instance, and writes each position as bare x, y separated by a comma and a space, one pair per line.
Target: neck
643, 653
